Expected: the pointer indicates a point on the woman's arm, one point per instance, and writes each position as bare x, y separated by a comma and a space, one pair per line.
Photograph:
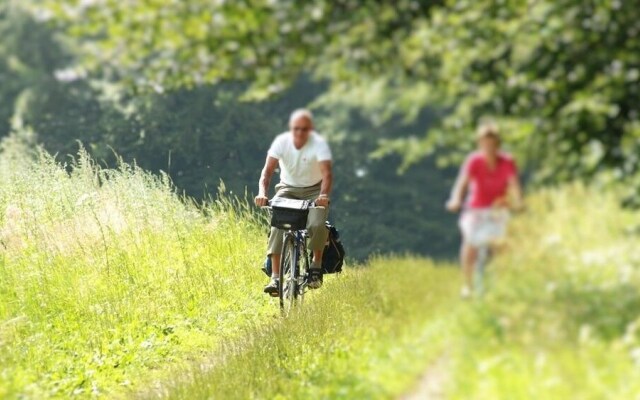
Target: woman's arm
515, 188
457, 193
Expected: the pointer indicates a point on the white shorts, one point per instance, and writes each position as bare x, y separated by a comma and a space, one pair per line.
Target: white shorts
484, 226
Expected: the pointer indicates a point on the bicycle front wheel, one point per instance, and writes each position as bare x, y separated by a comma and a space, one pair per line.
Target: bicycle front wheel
303, 270
288, 275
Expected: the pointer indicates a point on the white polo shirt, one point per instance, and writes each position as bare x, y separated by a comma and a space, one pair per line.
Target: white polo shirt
300, 168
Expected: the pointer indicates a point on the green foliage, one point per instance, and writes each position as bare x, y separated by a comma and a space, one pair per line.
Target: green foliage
36, 98
561, 320
364, 335
110, 284
378, 210
109, 280
199, 137
268, 43
560, 76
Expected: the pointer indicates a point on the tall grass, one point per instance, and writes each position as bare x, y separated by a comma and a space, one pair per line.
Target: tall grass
563, 317
112, 285
561, 320
367, 334
108, 278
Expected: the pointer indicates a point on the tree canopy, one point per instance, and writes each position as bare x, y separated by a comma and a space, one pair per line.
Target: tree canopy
561, 76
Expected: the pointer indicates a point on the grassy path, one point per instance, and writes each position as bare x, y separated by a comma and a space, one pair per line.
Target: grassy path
362, 336
432, 385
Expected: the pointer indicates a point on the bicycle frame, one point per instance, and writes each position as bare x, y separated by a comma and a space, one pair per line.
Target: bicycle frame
299, 239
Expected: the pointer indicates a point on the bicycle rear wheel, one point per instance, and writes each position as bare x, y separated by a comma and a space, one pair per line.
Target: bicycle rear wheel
288, 275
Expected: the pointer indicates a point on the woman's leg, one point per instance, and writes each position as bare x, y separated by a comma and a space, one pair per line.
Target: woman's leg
468, 259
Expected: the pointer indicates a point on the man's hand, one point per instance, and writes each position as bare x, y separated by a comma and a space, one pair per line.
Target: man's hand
454, 205
322, 201
261, 200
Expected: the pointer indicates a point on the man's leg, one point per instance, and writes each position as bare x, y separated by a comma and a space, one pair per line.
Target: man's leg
317, 256
274, 248
316, 227
318, 234
274, 251
275, 264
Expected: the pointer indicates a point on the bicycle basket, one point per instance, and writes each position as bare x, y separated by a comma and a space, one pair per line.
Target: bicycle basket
289, 214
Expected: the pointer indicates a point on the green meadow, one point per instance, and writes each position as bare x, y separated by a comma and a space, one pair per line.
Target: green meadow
114, 286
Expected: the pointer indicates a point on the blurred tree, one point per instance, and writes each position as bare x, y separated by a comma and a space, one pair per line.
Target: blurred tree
561, 76
377, 210
41, 100
161, 44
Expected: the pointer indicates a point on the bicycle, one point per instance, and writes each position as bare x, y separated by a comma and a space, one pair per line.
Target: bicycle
295, 261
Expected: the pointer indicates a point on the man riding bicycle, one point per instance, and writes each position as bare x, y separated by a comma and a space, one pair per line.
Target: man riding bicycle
304, 158
490, 176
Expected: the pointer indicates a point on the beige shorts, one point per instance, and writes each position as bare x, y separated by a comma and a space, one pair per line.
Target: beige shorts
484, 226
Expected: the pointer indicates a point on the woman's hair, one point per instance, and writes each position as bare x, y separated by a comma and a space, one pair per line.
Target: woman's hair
488, 129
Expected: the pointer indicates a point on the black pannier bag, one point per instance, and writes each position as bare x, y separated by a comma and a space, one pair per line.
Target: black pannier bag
289, 214
332, 258
334, 253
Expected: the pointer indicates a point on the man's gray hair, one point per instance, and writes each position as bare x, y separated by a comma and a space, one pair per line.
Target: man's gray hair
301, 113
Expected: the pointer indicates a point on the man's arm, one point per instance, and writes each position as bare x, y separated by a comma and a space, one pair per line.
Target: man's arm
270, 166
327, 183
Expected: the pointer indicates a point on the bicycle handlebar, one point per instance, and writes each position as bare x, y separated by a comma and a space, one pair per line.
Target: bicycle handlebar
311, 207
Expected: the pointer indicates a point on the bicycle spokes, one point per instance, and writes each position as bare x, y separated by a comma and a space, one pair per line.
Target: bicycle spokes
288, 276
293, 271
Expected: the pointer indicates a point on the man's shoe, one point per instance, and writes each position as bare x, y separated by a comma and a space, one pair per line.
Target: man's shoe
314, 281
273, 287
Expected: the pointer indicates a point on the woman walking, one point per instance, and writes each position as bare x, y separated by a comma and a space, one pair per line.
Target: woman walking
489, 179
